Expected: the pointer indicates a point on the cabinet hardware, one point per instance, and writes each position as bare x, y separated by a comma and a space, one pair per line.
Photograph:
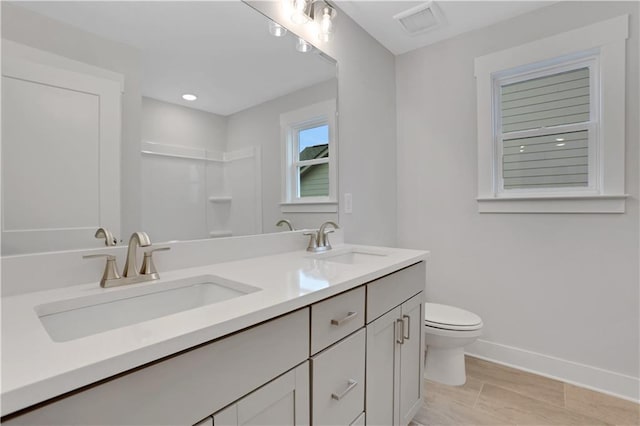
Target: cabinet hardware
350, 316
408, 335
352, 384
400, 338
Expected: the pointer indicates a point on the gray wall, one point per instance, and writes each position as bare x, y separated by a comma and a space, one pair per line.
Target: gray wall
173, 124
260, 126
366, 126
20, 25
559, 285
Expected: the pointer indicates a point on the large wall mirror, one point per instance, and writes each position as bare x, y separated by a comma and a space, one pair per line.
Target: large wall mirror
99, 128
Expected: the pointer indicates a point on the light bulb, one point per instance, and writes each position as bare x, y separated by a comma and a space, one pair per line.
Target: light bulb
189, 97
326, 25
303, 46
299, 12
276, 29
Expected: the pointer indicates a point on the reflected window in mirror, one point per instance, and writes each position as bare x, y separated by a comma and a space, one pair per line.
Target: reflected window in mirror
308, 144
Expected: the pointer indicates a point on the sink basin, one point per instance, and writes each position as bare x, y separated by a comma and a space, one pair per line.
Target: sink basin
352, 256
80, 317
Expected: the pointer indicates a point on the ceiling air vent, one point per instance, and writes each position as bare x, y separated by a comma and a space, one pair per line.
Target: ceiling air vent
421, 18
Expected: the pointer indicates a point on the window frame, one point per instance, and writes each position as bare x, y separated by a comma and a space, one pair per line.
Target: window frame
291, 124
606, 39
589, 59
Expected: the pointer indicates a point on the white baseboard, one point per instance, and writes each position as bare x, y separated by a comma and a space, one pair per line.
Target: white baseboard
597, 379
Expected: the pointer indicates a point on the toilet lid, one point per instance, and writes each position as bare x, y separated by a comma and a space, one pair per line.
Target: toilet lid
449, 317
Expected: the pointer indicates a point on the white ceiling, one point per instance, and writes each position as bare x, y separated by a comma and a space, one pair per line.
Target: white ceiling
220, 51
376, 17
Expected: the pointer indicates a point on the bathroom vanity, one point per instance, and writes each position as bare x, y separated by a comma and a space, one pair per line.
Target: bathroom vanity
320, 332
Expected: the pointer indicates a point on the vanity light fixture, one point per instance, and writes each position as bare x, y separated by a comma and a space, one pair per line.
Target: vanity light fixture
276, 29
317, 12
326, 23
303, 46
300, 11
189, 97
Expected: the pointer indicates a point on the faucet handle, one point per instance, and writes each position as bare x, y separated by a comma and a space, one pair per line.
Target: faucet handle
110, 269
148, 267
324, 239
313, 240
286, 222
109, 239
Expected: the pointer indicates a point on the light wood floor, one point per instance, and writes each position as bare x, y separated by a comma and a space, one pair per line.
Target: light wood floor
498, 395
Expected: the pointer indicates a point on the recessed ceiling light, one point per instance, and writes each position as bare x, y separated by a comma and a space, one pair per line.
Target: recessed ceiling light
276, 29
189, 97
303, 46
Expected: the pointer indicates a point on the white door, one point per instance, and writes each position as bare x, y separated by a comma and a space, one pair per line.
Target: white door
381, 373
284, 401
411, 359
60, 157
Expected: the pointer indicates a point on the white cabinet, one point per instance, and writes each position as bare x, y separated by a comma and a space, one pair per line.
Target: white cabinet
394, 365
395, 342
382, 366
411, 358
319, 365
283, 401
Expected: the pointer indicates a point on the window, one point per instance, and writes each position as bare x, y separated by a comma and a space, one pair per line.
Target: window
309, 179
551, 123
546, 129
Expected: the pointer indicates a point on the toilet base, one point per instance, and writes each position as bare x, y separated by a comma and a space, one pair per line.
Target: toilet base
445, 365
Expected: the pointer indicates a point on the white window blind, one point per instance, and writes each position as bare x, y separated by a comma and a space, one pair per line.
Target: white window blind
544, 123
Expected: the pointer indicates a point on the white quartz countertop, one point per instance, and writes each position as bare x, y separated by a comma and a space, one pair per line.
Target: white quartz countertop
35, 368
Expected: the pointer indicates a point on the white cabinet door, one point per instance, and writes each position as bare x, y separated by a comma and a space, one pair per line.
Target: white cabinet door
411, 359
395, 359
60, 157
382, 364
283, 401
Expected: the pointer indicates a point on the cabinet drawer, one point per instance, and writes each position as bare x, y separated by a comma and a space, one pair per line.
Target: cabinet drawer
338, 382
390, 291
336, 318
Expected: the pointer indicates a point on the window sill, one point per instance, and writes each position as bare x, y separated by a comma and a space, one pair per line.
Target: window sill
554, 204
310, 207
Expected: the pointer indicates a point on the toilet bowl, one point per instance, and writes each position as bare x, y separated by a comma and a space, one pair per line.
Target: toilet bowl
447, 331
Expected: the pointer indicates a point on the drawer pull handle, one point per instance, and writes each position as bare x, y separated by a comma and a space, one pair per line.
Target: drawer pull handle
350, 316
408, 335
400, 331
352, 384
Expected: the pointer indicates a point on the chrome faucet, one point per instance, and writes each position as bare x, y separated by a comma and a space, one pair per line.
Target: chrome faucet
131, 274
319, 240
286, 222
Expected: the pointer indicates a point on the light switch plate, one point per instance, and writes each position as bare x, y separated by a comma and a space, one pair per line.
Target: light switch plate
348, 203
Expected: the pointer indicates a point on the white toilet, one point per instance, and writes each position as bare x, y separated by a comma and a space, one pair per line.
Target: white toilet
447, 331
